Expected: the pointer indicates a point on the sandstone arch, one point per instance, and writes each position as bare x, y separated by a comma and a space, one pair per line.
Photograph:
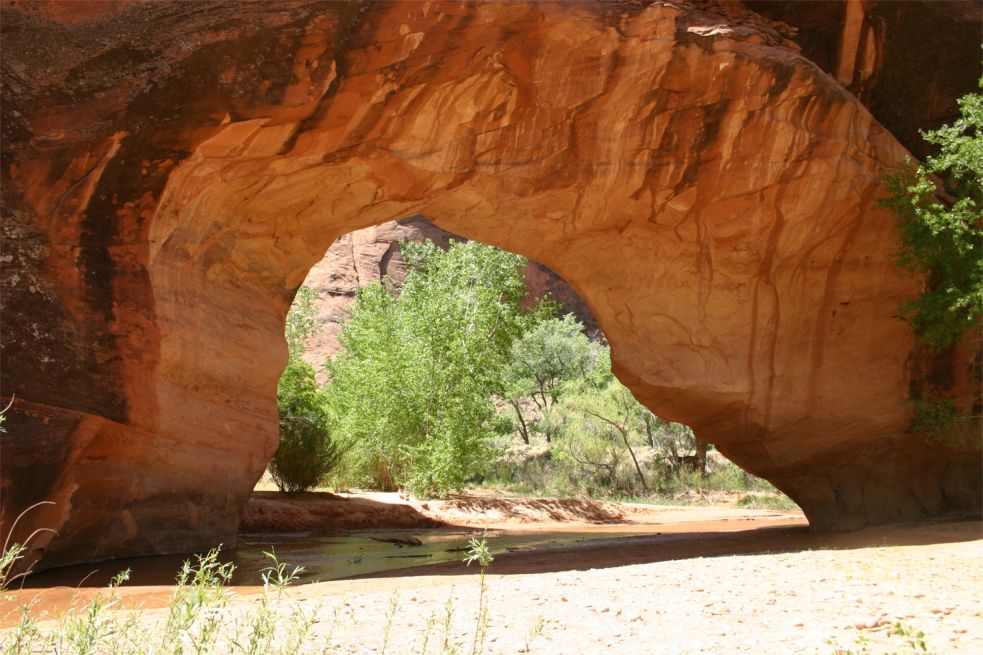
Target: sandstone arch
707, 190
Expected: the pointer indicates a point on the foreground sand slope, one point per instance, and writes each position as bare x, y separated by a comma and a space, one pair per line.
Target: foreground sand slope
772, 603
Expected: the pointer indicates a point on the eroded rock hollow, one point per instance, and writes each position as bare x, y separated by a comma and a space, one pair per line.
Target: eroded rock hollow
171, 171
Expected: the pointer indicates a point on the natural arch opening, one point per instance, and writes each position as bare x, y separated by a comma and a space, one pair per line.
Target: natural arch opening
552, 419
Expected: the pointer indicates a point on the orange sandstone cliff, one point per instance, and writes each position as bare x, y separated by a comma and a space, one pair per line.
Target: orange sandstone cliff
705, 175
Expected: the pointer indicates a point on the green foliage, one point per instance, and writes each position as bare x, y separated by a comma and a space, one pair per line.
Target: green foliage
301, 320
8, 558
601, 424
478, 551
941, 423
15, 562
306, 452
913, 642
276, 576
553, 353
200, 587
945, 239
605, 443
199, 620
412, 393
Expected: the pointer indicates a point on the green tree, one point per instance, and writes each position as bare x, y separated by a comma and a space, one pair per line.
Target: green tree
612, 409
412, 394
940, 224
552, 353
306, 452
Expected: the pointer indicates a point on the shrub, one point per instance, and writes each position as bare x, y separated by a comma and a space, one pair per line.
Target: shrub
306, 452
941, 229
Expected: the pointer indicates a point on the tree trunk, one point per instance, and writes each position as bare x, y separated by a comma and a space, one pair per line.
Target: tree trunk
624, 436
648, 431
523, 428
701, 457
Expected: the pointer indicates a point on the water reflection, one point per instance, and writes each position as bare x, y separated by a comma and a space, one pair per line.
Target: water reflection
324, 557
336, 557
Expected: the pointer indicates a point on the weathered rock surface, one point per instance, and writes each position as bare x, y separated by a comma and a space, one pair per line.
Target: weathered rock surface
171, 172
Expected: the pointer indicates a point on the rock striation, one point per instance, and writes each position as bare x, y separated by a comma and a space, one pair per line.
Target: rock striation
172, 171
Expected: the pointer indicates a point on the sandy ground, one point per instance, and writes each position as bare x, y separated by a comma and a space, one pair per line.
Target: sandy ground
796, 602
715, 581
321, 512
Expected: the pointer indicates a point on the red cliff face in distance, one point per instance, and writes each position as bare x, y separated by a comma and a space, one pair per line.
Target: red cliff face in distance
705, 177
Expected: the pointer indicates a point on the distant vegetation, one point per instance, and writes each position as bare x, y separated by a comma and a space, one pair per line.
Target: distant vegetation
456, 379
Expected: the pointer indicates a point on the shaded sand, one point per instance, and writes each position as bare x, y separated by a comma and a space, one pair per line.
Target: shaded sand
322, 512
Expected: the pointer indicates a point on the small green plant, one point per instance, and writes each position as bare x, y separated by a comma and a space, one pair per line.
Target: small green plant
942, 423
447, 624
87, 633
276, 577
10, 556
914, 638
427, 631
13, 553
193, 620
390, 619
537, 630
914, 642
24, 635
478, 551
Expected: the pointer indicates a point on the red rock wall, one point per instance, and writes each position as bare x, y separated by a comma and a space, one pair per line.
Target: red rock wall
171, 172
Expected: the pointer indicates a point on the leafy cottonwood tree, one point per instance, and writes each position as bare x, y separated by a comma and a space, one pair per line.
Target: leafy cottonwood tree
412, 393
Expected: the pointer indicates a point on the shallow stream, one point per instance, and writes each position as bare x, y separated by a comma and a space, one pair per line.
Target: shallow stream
328, 557
359, 554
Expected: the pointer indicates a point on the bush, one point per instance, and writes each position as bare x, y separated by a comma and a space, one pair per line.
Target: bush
306, 452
